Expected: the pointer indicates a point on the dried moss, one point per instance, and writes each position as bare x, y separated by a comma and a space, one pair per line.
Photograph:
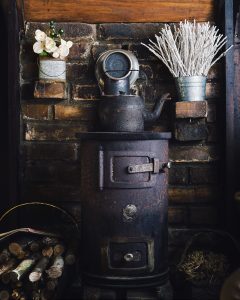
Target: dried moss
205, 266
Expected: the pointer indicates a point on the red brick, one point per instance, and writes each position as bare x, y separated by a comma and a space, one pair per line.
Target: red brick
206, 215
180, 236
49, 151
54, 132
204, 174
99, 48
211, 115
186, 130
142, 52
177, 215
193, 153
50, 89
216, 71
81, 73
72, 112
29, 71
49, 192
73, 31
193, 194
214, 90
81, 49
178, 175
35, 111
85, 92
132, 31
213, 135
52, 172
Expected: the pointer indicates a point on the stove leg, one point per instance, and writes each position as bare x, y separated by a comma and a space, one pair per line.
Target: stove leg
93, 293
158, 293
140, 294
165, 292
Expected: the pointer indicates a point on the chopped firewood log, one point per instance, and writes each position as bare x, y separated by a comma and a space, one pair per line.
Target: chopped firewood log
58, 249
38, 270
55, 271
17, 250
22, 269
7, 266
4, 295
18, 295
51, 284
25, 263
47, 251
35, 246
4, 256
19, 247
50, 241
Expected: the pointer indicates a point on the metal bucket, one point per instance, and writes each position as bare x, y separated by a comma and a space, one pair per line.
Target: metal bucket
191, 88
52, 69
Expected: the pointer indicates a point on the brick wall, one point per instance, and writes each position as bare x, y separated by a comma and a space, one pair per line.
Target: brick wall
50, 152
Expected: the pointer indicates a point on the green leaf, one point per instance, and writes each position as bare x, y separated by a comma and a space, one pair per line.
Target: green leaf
44, 53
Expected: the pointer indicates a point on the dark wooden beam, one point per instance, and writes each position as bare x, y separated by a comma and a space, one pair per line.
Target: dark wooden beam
4, 190
236, 95
103, 11
230, 118
14, 31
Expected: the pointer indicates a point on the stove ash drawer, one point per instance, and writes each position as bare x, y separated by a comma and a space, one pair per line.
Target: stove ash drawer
129, 169
130, 256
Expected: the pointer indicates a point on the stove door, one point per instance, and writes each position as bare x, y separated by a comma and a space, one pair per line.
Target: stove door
115, 169
128, 255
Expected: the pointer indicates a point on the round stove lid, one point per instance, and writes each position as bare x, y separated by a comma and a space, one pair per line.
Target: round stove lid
117, 64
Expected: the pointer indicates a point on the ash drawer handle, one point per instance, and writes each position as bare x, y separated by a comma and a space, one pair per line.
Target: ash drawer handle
156, 166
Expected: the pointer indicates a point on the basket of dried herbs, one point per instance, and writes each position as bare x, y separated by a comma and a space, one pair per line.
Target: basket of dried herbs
207, 260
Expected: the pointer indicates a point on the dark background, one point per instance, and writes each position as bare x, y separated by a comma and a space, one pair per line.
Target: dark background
4, 147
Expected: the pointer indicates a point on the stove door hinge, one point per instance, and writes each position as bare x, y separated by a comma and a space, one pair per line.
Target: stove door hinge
155, 166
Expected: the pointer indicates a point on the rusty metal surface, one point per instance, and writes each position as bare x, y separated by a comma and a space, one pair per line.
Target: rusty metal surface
109, 194
124, 136
127, 112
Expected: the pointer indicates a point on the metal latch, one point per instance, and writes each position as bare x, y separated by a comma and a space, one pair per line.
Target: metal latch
156, 166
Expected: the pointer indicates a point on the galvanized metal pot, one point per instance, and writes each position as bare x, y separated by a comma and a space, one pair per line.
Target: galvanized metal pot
52, 69
191, 88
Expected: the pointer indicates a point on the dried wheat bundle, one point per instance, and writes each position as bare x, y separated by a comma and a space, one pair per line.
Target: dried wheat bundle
189, 49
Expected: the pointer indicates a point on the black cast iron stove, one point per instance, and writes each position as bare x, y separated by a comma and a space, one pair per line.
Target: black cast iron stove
124, 179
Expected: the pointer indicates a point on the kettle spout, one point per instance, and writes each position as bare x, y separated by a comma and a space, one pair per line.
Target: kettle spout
154, 115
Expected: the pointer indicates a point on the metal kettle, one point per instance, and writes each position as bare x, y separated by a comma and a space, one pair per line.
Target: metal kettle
116, 71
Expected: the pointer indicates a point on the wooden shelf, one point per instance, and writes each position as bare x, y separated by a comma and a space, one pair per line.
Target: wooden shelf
191, 109
53, 90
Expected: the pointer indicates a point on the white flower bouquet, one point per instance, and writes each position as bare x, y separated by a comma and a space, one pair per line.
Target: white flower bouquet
51, 44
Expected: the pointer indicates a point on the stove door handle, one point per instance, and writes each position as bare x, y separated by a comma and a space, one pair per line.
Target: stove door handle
156, 166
